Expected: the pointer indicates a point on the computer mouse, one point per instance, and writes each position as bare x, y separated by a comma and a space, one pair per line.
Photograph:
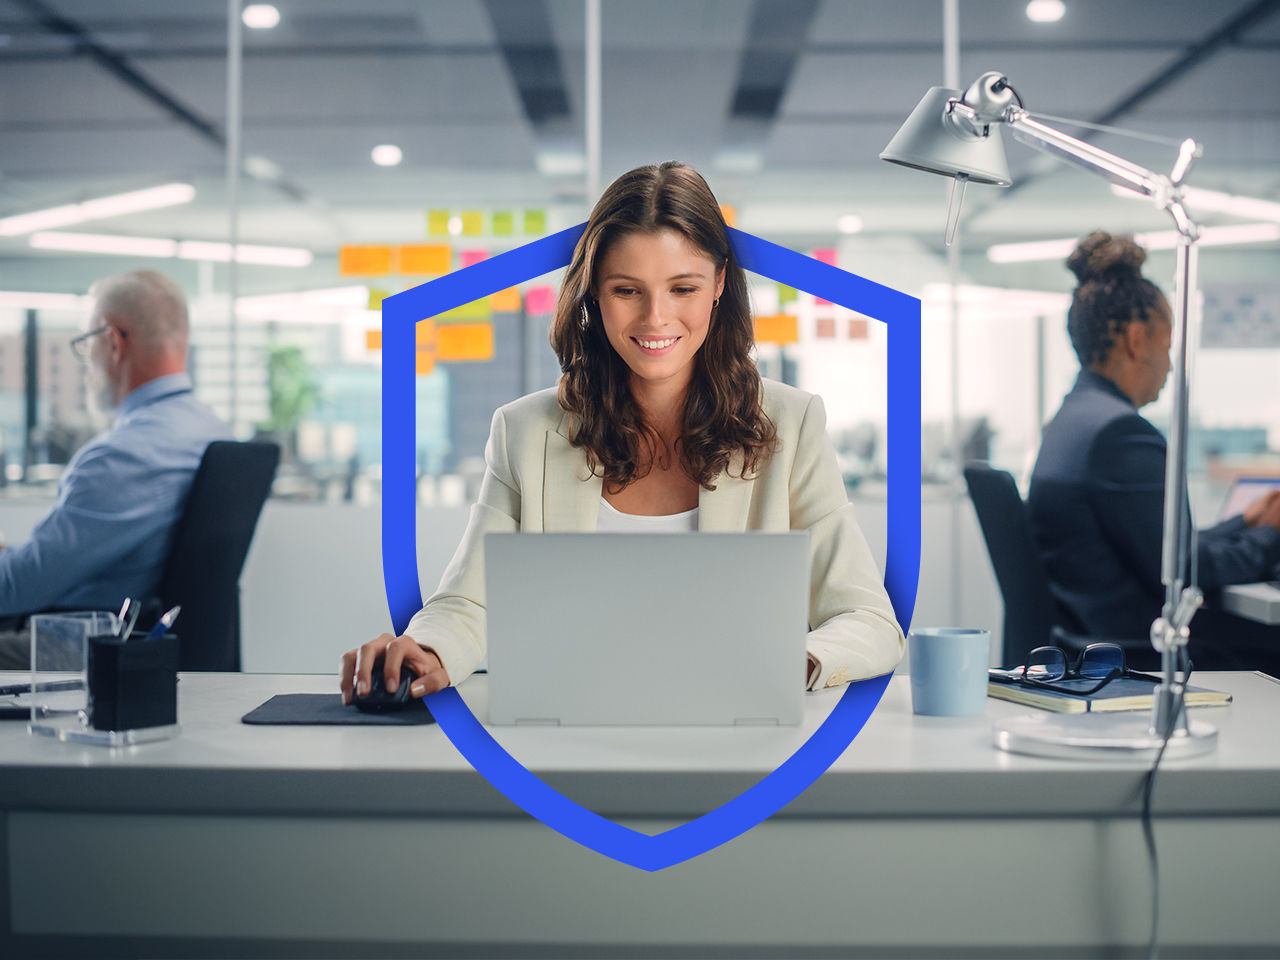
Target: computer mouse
379, 700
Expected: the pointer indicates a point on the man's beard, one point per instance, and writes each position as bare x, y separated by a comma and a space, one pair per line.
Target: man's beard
99, 399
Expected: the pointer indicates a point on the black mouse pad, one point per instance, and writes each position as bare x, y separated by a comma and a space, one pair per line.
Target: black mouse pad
326, 709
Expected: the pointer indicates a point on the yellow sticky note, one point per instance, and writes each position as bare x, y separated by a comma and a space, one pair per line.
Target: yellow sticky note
535, 222
376, 297
504, 223
472, 223
426, 259
364, 261
778, 328
465, 342
437, 223
787, 294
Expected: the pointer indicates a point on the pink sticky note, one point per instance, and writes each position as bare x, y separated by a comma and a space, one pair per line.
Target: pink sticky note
825, 255
540, 300
473, 256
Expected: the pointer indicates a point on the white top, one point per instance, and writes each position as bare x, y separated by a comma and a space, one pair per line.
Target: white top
613, 520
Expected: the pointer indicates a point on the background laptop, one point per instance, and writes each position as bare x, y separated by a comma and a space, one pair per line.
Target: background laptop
647, 629
1244, 491
1257, 601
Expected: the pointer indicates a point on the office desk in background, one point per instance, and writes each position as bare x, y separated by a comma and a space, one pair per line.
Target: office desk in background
921, 840
1253, 601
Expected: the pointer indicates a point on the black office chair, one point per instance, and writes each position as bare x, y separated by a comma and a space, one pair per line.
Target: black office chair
1032, 617
209, 547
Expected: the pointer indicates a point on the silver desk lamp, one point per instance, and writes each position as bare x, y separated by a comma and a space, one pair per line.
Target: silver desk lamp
958, 135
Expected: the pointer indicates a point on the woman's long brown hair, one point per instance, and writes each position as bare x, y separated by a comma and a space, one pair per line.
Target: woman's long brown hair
722, 410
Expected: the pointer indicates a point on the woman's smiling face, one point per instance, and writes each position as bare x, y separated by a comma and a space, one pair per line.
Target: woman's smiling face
656, 293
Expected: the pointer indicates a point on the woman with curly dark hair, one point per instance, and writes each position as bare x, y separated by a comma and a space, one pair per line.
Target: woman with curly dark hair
1097, 490
660, 422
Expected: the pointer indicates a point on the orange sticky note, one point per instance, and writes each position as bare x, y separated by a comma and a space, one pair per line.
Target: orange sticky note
424, 362
464, 342
426, 259
730, 214
505, 301
364, 261
778, 328
373, 340
424, 333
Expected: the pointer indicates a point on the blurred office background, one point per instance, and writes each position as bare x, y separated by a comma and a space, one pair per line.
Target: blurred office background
386, 142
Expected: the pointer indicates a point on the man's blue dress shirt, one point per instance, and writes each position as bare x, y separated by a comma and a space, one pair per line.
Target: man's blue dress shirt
108, 535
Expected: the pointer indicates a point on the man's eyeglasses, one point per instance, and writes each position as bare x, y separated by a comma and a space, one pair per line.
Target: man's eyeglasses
82, 344
1050, 668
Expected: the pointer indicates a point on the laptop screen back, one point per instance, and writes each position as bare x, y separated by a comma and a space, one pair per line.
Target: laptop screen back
647, 629
1244, 492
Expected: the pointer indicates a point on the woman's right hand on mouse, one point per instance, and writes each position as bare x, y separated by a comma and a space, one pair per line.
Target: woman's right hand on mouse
357, 664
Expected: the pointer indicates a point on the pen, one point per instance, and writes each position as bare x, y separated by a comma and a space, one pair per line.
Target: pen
164, 623
14, 689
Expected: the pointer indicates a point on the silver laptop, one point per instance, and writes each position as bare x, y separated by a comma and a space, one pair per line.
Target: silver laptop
1244, 491
647, 628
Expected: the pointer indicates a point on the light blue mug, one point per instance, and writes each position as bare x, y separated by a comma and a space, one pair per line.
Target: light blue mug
949, 671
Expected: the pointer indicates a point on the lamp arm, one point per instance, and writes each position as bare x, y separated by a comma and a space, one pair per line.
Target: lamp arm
1119, 171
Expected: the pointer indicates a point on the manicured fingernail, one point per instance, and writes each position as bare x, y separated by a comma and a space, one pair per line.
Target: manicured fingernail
362, 688
392, 684
418, 689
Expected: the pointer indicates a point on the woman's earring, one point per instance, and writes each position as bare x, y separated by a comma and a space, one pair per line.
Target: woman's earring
586, 317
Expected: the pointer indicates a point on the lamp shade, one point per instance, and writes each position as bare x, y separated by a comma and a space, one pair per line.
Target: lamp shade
926, 142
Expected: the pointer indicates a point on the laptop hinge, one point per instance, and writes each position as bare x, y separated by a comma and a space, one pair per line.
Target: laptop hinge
528, 722
755, 722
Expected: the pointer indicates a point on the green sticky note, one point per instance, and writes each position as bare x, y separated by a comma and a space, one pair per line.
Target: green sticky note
786, 294
475, 310
504, 223
535, 222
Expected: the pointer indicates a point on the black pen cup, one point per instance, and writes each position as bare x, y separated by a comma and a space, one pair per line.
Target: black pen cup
133, 684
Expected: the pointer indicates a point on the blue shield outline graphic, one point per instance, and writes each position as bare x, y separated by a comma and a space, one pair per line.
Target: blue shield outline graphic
401, 313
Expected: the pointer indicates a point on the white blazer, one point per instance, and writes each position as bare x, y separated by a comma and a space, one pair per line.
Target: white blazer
536, 481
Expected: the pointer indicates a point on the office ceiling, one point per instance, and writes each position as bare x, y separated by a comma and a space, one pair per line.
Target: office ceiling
783, 104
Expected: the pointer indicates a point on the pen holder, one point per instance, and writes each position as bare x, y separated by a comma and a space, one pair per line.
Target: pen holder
133, 685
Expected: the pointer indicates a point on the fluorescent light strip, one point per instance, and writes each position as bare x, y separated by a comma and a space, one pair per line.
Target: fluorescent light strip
104, 243
275, 304
19, 300
1161, 240
1249, 208
159, 247
153, 198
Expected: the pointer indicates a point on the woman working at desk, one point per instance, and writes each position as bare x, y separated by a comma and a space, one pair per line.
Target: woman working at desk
1097, 491
661, 422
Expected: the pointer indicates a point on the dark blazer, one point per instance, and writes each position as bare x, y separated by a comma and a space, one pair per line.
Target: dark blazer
1097, 511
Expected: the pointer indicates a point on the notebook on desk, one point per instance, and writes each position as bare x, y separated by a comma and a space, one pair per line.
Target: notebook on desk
646, 628
1123, 693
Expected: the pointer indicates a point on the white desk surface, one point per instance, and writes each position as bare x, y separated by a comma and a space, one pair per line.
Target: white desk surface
900, 765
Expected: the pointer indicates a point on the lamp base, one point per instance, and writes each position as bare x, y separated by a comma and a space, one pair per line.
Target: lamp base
1100, 736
